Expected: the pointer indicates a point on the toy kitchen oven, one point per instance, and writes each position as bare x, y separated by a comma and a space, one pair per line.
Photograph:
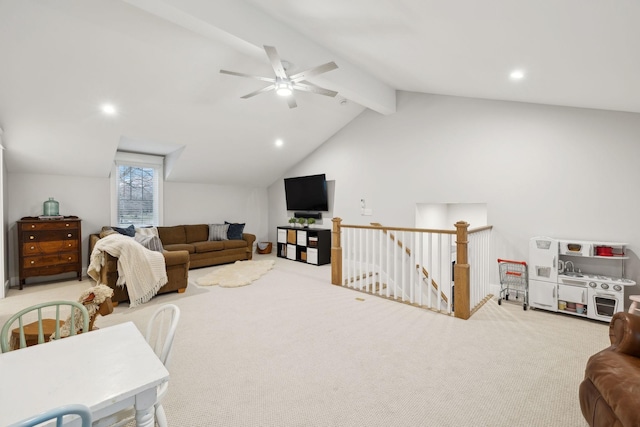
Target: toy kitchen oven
579, 278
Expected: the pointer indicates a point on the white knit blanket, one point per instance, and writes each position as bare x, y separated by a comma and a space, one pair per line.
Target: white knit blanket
142, 270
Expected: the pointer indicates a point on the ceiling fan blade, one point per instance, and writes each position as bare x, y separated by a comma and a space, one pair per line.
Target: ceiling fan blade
259, 91
276, 62
314, 71
291, 101
310, 87
234, 73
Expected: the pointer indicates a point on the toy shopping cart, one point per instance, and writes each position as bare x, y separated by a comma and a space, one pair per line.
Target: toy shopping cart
514, 279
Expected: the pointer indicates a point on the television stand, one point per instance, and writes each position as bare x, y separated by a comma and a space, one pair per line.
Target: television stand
308, 245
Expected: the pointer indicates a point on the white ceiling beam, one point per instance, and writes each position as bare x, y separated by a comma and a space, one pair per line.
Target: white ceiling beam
247, 29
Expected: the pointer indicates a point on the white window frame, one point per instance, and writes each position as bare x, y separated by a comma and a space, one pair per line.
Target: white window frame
138, 160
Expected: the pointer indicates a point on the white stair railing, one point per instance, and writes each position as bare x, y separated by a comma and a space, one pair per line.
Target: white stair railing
400, 264
414, 266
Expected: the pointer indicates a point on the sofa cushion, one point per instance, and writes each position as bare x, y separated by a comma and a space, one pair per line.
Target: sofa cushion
196, 233
235, 230
180, 247
172, 235
208, 246
235, 244
218, 231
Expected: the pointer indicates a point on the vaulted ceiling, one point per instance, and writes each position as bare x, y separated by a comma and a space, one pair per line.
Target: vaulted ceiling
158, 62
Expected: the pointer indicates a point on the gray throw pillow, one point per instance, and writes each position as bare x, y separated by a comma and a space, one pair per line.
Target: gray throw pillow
218, 231
152, 243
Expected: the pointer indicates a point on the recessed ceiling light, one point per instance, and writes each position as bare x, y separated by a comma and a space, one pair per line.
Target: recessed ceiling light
516, 75
279, 142
108, 109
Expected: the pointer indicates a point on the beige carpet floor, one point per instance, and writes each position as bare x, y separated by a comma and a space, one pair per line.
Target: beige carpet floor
292, 350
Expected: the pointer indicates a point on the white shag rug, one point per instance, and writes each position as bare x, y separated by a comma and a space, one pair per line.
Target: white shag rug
240, 273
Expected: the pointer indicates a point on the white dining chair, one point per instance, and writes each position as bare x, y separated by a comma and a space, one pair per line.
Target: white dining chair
160, 332
58, 415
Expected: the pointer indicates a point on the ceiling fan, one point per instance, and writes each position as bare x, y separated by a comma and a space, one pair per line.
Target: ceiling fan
285, 84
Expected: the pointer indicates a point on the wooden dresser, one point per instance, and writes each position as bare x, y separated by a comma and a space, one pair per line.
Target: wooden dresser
48, 247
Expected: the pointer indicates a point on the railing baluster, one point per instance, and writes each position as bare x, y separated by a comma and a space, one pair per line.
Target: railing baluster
380, 278
420, 256
395, 268
429, 268
449, 286
412, 270
365, 258
440, 277
346, 258
403, 269
370, 287
359, 282
388, 265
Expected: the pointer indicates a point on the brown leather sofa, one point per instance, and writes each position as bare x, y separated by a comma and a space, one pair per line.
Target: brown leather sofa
202, 251
610, 392
176, 264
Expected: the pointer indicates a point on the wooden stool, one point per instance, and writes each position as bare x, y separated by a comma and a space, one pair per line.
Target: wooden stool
31, 332
634, 304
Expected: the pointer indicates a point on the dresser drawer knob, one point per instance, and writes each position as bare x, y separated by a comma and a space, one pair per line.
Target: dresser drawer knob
32, 237
69, 235
33, 226
70, 245
66, 225
32, 247
69, 258
33, 262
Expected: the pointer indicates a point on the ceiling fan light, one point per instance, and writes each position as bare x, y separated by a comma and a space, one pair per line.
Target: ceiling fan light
284, 88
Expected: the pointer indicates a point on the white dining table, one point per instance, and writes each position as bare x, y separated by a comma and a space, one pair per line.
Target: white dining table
108, 370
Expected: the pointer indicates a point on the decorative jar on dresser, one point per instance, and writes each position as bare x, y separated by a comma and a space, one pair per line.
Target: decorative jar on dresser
49, 246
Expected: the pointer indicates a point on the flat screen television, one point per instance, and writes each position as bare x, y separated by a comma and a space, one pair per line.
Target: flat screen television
306, 193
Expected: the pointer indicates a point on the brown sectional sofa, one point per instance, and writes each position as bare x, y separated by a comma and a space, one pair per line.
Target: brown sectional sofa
185, 247
203, 252
610, 391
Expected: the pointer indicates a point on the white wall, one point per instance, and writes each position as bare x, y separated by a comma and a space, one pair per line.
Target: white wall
186, 203
4, 263
541, 170
442, 215
89, 198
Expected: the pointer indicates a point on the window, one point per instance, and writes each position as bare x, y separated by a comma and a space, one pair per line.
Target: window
137, 190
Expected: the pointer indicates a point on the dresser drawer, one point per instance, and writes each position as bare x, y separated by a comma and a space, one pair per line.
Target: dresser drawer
49, 225
44, 248
49, 260
49, 235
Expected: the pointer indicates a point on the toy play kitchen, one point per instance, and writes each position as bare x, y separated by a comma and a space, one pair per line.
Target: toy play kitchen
579, 278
